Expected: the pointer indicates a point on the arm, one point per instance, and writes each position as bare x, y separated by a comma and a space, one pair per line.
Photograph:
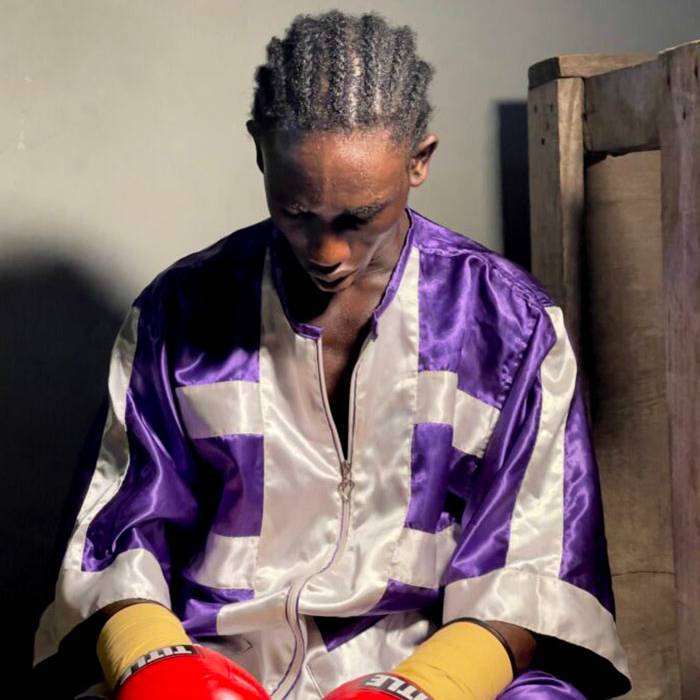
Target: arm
137, 496
109, 610
532, 551
145, 653
75, 665
520, 640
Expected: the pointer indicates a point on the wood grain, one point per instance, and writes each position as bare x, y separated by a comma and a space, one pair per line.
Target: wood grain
555, 142
624, 336
622, 110
581, 65
679, 132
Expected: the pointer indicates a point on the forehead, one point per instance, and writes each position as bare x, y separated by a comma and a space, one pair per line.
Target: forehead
321, 165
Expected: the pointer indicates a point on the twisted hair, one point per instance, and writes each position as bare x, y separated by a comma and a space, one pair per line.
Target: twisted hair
339, 72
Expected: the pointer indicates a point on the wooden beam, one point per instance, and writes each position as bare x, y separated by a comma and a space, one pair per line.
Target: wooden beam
555, 145
679, 135
626, 341
581, 65
622, 110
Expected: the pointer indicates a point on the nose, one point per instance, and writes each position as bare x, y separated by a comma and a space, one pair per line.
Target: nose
326, 252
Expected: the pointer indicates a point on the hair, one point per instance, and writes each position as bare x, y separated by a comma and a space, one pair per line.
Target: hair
339, 72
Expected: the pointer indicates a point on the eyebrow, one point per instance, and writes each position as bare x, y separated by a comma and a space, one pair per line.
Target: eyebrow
364, 212
367, 210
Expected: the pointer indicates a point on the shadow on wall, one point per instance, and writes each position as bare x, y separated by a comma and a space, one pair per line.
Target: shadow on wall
57, 332
514, 185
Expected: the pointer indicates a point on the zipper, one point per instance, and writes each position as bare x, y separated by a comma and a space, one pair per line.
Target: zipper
345, 487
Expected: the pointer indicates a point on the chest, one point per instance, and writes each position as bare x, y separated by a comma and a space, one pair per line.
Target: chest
346, 321
343, 337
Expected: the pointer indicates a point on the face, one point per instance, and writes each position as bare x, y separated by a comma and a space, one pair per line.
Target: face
340, 199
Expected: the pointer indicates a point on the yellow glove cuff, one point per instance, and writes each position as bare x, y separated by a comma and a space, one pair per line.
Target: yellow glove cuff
134, 631
461, 661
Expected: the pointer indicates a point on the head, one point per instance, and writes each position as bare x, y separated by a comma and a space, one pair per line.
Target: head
340, 123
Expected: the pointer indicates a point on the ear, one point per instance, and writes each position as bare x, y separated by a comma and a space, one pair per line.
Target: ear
254, 131
418, 164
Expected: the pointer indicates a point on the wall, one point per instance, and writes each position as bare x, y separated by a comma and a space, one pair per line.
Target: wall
122, 148
122, 140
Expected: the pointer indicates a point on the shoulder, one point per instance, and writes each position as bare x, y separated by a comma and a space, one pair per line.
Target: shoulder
480, 284
480, 312
220, 270
435, 240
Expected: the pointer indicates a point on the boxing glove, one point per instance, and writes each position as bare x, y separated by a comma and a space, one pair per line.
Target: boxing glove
187, 672
464, 660
146, 654
379, 686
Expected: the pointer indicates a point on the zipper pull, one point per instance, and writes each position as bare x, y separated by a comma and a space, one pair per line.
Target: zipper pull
346, 485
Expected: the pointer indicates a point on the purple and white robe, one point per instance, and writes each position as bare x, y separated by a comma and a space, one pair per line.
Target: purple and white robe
221, 490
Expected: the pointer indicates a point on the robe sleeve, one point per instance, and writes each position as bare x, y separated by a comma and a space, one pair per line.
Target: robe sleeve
138, 499
532, 549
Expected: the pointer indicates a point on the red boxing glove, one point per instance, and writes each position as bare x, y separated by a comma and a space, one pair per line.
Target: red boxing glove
187, 672
378, 686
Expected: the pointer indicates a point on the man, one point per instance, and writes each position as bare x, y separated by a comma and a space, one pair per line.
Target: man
345, 440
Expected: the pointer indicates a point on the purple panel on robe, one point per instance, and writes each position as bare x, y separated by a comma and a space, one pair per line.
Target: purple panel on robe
397, 597
198, 605
238, 460
585, 555
214, 311
487, 516
338, 630
434, 464
441, 315
470, 332
200, 323
538, 685
156, 493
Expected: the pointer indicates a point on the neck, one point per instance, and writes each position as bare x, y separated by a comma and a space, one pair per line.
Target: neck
305, 301
385, 260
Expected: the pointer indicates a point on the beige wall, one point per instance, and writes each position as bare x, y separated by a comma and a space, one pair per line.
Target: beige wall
122, 141
122, 148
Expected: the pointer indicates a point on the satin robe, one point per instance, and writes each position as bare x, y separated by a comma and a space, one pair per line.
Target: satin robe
470, 488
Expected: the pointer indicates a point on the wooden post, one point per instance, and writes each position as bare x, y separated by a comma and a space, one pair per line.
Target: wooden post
679, 133
622, 110
556, 173
555, 146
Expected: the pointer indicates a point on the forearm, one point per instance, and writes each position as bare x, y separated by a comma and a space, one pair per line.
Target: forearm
98, 620
520, 640
466, 658
75, 665
145, 652
103, 614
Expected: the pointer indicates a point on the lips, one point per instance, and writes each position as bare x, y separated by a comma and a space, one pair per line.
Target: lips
330, 283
